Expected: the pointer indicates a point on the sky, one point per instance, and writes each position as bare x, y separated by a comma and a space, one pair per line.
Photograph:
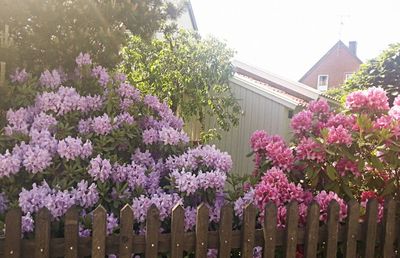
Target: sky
287, 37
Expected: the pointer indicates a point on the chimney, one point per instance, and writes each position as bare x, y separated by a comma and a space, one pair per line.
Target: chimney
353, 47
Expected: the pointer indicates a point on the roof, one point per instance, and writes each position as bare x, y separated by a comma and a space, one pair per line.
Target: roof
268, 91
338, 44
292, 88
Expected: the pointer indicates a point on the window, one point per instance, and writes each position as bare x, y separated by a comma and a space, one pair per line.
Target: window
347, 76
322, 82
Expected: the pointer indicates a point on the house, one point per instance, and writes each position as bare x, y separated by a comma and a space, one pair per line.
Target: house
268, 102
334, 68
186, 20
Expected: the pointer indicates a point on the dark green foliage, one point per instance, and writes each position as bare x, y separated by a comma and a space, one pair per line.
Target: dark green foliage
51, 33
189, 72
382, 71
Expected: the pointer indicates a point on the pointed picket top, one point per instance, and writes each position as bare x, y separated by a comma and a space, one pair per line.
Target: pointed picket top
152, 231
270, 229
371, 228
178, 209
99, 232
12, 241
312, 230
248, 230
177, 231
71, 232
353, 214
126, 232
42, 233
332, 229
126, 210
202, 231
389, 228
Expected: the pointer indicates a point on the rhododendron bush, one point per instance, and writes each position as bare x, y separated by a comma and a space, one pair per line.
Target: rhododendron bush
91, 138
347, 154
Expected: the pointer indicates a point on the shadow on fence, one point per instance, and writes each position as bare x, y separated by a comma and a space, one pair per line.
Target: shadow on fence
358, 238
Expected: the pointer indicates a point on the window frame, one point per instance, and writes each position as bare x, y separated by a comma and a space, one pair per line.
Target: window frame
327, 82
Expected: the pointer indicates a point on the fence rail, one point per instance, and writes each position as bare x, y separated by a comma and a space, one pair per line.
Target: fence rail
360, 239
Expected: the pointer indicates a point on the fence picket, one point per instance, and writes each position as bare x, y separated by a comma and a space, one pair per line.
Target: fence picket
99, 232
126, 232
152, 231
42, 234
12, 239
292, 221
225, 231
312, 231
332, 230
248, 231
177, 230
370, 230
202, 231
389, 229
270, 230
353, 214
71, 233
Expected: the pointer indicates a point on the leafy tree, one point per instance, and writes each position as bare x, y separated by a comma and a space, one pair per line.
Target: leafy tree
382, 71
189, 72
49, 34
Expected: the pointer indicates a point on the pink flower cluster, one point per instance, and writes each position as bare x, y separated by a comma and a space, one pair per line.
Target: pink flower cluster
370, 100
339, 135
309, 149
273, 148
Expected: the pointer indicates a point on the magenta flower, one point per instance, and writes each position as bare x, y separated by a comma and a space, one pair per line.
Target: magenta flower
339, 135
301, 123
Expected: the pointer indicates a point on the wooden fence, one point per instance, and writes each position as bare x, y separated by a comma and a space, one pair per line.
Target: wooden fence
358, 239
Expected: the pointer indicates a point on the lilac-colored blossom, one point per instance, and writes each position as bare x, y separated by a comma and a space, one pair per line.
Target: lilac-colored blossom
100, 169
50, 79
83, 59
84, 195
20, 76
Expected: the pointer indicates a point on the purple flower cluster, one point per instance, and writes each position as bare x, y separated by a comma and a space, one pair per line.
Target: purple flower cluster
101, 74
112, 223
83, 59
36, 159
167, 135
72, 148
163, 201
100, 169
18, 121
50, 79
242, 202
132, 173
100, 125
85, 196
202, 156
189, 183
20, 76
10, 164
128, 95
168, 119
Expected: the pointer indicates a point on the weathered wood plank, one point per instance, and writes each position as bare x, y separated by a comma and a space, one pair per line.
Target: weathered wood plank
12, 241
99, 232
292, 221
71, 233
225, 232
370, 228
177, 231
353, 214
269, 230
389, 228
332, 230
312, 231
42, 234
249, 228
202, 231
152, 231
126, 232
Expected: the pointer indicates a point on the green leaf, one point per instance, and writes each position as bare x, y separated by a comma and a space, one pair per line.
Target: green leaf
331, 173
376, 163
346, 189
389, 188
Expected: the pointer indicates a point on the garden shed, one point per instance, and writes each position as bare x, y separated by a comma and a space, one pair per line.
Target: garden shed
268, 102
